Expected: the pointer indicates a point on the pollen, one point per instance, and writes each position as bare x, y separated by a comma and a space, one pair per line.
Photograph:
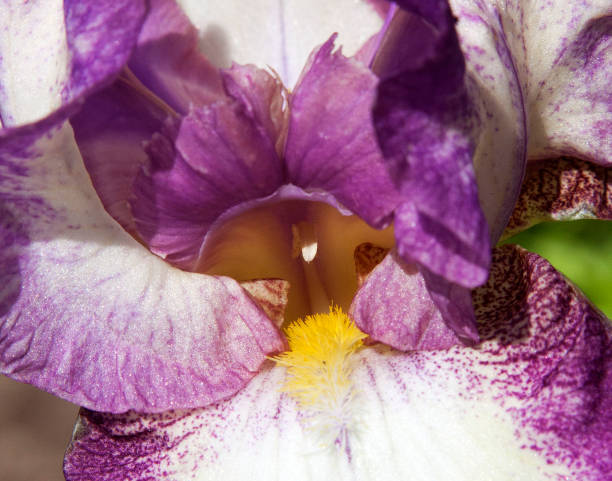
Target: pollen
319, 365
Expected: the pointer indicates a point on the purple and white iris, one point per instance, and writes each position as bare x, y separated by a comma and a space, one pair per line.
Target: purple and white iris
160, 217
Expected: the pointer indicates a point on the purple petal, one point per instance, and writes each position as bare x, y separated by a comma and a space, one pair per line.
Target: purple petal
88, 314
51, 57
168, 62
331, 144
218, 157
423, 119
394, 307
110, 131
534, 402
562, 189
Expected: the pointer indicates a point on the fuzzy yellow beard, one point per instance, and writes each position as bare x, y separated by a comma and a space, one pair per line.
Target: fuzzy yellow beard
319, 364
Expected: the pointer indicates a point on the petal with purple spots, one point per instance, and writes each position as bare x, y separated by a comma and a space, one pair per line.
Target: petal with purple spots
533, 401
562, 189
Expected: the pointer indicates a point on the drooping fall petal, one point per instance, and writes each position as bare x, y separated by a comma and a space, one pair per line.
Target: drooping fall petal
532, 402
90, 315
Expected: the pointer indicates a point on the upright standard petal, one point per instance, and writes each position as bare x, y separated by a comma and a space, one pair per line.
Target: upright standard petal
53, 53
279, 34
331, 143
88, 314
111, 130
167, 60
533, 402
423, 117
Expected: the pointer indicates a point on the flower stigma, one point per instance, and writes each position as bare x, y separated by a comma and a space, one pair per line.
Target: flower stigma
319, 365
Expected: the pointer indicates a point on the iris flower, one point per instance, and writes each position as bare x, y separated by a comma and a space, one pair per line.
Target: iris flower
167, 216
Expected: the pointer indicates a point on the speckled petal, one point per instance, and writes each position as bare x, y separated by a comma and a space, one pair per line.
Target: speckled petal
215, 158
54, 52
423, 118
496, 90
541, 68
394, 307
532, 402
279, 34
562, 189
167, 60
331, 143
563, 50
90, 315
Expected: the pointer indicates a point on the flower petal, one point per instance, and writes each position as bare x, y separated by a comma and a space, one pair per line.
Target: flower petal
88, 314
110, 130
496, 90
562, 189
219, 156
532, 402
331, 144
53, 53
234, 31
168, 62
394, 307
423, 118
566, 76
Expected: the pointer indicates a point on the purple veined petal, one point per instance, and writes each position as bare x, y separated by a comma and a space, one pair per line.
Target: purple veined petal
331, 143
532, 402
563, 56
110, 130
424, 119
217, 157
496, 89
279, 34
53, 52
562, 189
167, 60
394, 307
90, 315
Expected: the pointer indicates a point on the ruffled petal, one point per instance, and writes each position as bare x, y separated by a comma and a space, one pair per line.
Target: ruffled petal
562, 189
278, 34
423, 118
168, 62
532, 402
331, 144
53, 53
110, 130
218, 157
88, 314
393, 306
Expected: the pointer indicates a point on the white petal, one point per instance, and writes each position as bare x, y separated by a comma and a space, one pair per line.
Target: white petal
279, 33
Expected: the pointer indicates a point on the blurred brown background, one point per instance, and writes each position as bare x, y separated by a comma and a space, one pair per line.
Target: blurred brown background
35, 429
